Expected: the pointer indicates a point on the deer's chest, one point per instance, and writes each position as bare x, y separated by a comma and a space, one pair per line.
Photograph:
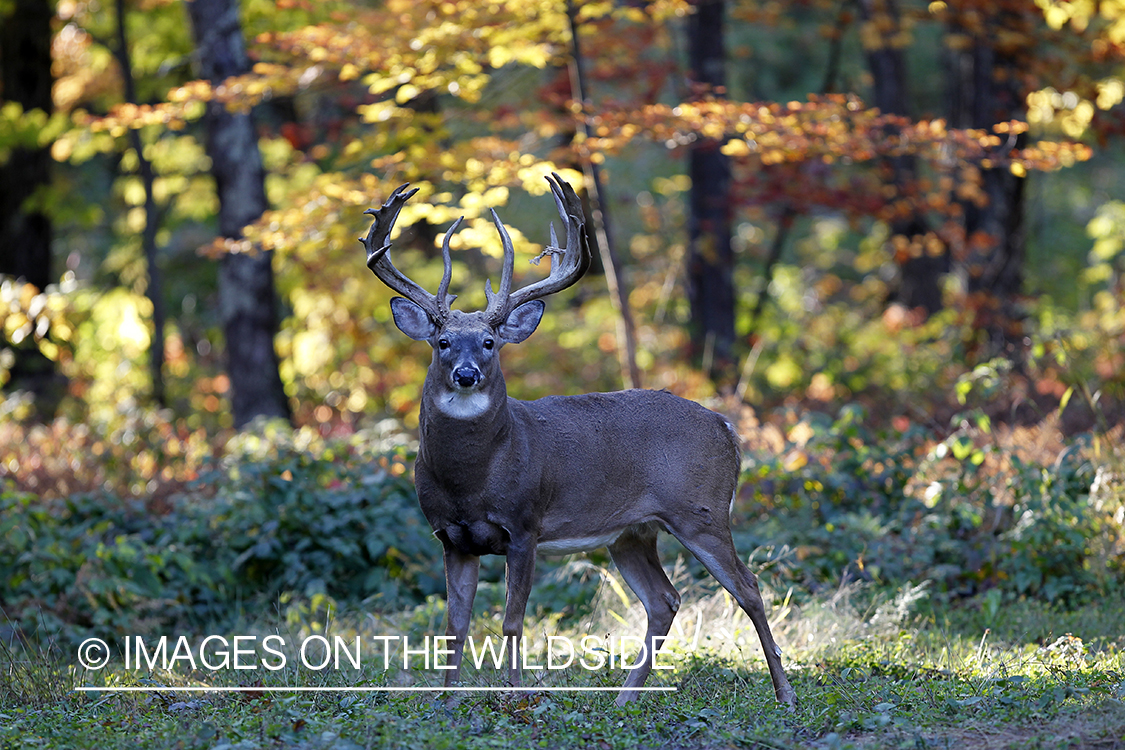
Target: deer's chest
475, 538
465, 515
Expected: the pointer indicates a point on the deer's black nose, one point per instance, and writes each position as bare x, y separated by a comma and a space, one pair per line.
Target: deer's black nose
466, 377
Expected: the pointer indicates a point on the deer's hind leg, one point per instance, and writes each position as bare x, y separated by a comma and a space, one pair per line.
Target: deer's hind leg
634, 553
707, 535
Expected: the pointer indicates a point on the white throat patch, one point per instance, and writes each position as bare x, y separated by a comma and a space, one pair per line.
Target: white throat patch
463, 404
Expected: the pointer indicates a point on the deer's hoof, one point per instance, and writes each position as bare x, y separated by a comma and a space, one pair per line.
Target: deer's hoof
789, 698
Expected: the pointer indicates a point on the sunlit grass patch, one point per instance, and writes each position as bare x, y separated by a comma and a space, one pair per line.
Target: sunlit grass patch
872, 669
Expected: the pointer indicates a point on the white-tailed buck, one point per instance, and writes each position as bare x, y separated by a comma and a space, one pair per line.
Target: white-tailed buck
499, 476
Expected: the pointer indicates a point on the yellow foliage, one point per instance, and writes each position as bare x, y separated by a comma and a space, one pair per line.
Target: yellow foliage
407, 92
498, 57
133, 191
736, 147
1111, 92
1081, 13
469, 159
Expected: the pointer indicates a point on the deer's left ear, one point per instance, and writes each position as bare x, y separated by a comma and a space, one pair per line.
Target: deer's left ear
522, 322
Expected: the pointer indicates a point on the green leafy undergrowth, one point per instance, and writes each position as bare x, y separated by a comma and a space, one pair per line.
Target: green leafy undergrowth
338, 523
965, 513
286, 517
280, 520
342, 522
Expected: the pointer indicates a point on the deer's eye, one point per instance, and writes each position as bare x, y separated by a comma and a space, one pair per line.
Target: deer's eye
488, 343
443, 344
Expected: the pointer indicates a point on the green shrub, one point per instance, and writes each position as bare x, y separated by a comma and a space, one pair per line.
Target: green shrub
344, 522
285, 517
94, 563
340, 523
1047, 551
893, 507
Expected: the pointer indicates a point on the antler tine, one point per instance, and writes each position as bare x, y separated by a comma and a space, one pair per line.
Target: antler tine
378, 240
565, 270
559, 196
497, 301
444, 299
378, 245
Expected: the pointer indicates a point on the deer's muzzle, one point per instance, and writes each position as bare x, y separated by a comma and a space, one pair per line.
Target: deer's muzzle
466, 377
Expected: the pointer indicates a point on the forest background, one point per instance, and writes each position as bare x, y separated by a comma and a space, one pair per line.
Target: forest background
883, 236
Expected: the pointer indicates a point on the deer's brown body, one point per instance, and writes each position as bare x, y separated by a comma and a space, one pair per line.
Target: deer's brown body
658, 454
563, 474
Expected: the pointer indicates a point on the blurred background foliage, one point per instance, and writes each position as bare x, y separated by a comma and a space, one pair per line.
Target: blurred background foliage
841, 205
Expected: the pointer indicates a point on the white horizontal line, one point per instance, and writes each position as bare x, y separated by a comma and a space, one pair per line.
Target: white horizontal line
365, 689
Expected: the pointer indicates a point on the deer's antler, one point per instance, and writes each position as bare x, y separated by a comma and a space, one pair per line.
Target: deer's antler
378, 245
567, 264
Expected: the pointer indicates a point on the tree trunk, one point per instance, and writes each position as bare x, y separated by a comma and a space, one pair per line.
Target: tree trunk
920, 268
984, 90
248, 303
25, 236
710, 261
155, 288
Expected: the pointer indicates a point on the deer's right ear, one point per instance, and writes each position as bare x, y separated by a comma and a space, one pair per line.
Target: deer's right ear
412, 319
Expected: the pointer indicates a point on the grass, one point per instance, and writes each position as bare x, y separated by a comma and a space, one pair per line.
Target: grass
872, 670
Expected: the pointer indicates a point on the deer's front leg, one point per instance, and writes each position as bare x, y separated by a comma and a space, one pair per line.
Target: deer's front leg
519, 571
461, 572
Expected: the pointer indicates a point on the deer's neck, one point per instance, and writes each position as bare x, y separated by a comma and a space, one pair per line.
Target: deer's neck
460, 433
